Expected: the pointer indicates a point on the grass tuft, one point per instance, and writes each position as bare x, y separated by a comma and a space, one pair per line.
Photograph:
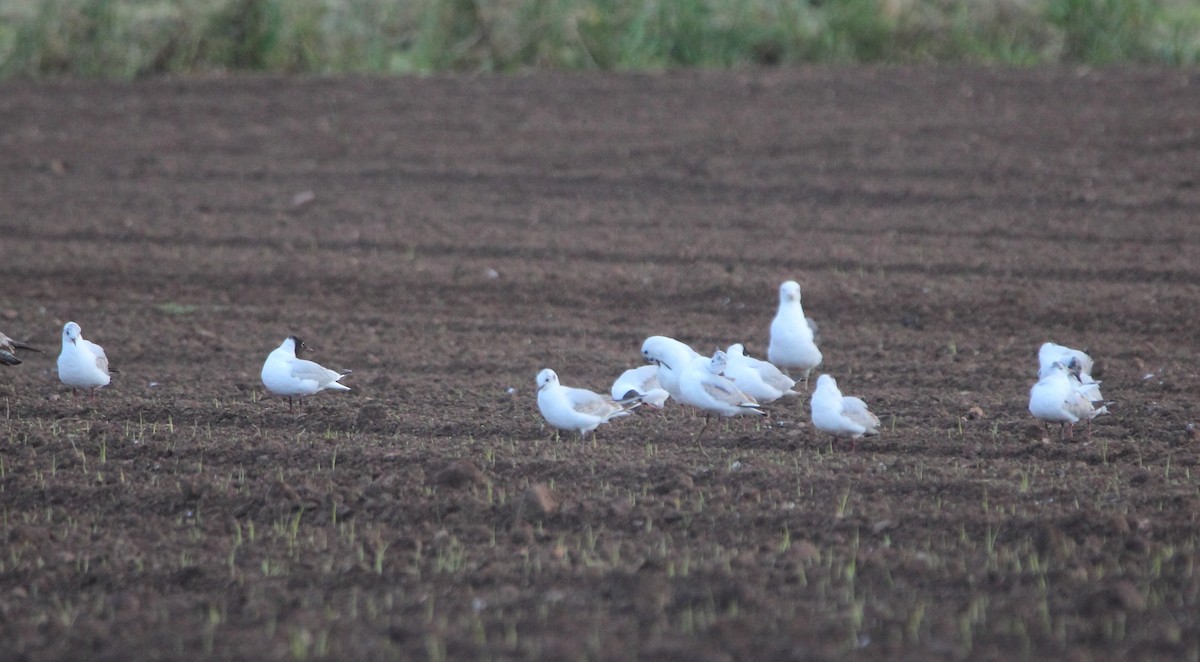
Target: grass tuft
131, 38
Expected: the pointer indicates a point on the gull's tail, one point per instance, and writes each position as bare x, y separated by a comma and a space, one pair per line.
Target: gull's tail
631, 400
7, 346
753, 408
336, 384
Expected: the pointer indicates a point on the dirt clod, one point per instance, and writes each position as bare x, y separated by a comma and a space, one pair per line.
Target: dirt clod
458, 474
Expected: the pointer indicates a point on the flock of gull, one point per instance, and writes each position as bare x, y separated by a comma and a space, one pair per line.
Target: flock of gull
731, 383
728, 383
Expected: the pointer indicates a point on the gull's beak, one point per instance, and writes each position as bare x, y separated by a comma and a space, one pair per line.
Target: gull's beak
662, 363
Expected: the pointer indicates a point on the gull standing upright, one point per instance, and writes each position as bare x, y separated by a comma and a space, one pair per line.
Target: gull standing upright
581, 410
82, 363
284, 374
8, 350
1059, 397
702, 386
758, 379
841, 416
792, 347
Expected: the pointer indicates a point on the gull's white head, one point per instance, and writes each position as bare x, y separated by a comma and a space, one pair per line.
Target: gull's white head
716, 365
546, 378
71, 332
1045, 349
655, 350
789, 292
826, 382
736, 349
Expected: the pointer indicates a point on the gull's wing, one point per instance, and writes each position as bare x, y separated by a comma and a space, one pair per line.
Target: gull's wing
305, 369
98, 352
772, 375
856, 410
723, 390
10, 346
1081, 406
591, 403
641, 380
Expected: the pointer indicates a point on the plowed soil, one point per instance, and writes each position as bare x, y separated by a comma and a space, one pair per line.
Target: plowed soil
447, 237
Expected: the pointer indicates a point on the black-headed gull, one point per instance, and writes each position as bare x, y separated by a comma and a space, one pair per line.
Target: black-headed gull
702, 386
672, 357
82, 363
1050, 353
841, 416
1078, 364
8, 350
756, 378
642, 383
1059, 397
792, 347
284, 374
568, 408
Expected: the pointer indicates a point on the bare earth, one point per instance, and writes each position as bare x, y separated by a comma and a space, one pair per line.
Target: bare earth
447, 237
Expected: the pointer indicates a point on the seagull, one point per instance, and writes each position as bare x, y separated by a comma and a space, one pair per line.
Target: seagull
641, 382
1078, 364
1059, 397
284, 374
1050, 353
82, 363
792, 347
672, 357
841, 416
567, 408
8, 350
702, 386
757, 378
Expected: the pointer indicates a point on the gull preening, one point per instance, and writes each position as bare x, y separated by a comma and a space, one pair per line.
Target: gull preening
756, 378
581, 410
82, 363
1059, 397
284, 374
1077, 363
792, 348
841, 416
702, 386
1050, 353
642, 383
672, 358
8, 350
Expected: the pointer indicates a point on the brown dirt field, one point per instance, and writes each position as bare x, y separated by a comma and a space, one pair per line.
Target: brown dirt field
464, 232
